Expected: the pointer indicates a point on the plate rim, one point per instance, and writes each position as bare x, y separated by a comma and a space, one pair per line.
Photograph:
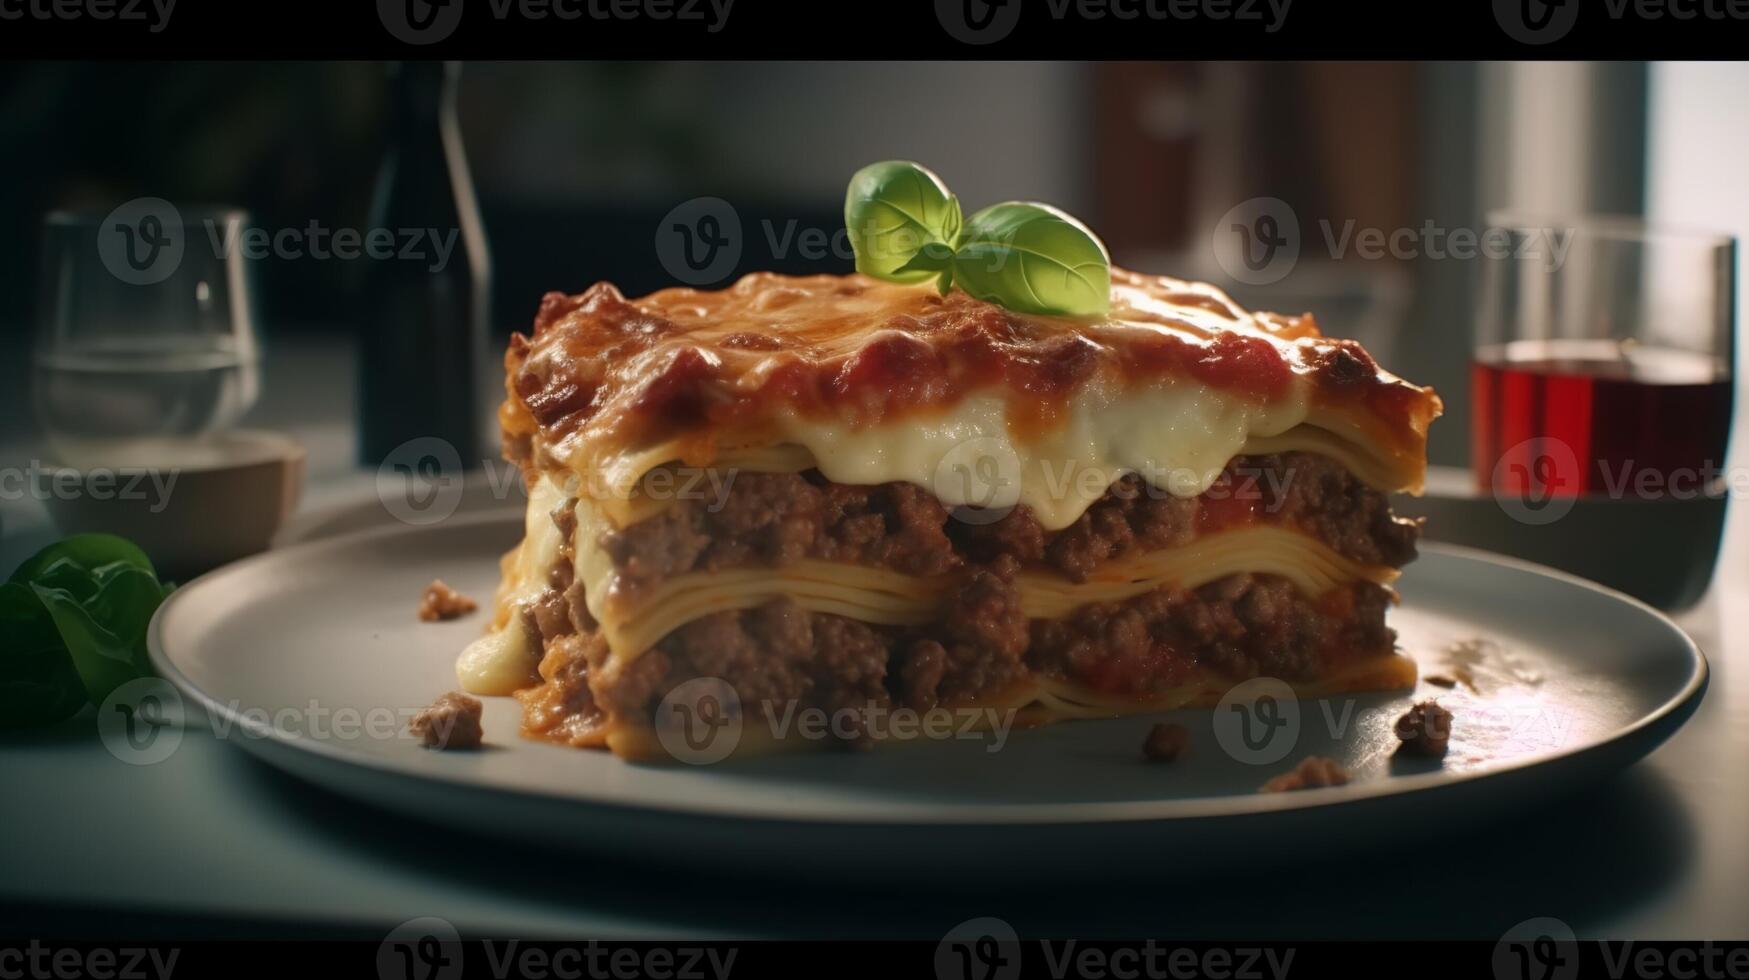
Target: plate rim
1116, 812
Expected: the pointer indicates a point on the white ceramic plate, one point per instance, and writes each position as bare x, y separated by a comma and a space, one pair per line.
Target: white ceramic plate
321, 639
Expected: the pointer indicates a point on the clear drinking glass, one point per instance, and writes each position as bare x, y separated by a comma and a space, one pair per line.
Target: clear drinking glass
1601, 391
146, 333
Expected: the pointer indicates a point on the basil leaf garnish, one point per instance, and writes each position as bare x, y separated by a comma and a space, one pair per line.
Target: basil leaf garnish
932, 258
892, 211
1033, 258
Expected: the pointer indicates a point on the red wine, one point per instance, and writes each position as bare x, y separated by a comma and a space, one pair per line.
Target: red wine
1566, 418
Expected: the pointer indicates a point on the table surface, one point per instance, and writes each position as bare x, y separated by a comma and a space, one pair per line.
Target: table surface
89, 842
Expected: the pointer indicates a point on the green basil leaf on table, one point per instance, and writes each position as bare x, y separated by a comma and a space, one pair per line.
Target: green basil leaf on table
73, 621
104, 658
86, 551
893, 211
38, 685
1033, 258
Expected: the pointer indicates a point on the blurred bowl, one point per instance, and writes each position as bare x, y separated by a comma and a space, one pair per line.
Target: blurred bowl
1661, 551
192, 505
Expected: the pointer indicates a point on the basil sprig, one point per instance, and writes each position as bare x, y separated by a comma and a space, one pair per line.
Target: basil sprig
1032, 258
73, 627
894, 211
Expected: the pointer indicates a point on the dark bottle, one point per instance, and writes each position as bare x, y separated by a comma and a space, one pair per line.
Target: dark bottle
422, 317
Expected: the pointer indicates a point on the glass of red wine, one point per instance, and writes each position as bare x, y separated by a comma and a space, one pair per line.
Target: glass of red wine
1602, 374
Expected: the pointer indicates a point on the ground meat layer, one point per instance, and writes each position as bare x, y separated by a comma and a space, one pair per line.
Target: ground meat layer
772, 518
1238, 627
779, 654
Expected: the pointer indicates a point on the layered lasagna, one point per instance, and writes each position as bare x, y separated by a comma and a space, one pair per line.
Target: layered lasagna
843, 493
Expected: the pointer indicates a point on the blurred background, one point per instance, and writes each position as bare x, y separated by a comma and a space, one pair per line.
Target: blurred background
575, 166
578, 170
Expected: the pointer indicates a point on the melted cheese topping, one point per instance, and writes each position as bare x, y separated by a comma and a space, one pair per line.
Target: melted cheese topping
661, 486
881, 382
1178, 437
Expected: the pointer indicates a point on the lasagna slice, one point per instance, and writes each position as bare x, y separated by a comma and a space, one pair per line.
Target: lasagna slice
841, 493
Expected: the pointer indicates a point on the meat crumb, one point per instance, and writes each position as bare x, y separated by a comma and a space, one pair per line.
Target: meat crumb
1425, 730
1314, 771
452, 722
1441, 680
1166, 742
440, 602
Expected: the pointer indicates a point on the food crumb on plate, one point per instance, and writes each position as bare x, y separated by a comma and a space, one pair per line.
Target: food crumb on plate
452, 722
440, 602
1425, 730
1166, 742
1314, 771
